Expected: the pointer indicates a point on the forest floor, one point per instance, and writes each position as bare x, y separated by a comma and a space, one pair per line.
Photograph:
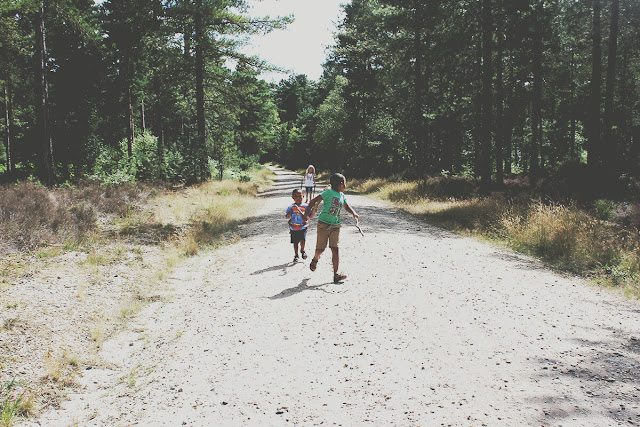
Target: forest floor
428, 329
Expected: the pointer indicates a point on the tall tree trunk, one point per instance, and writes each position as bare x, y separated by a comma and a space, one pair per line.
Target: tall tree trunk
188, 61
200, 151
612, 146
158, 126
536, 104
7, 125
500, 123
78, 153
161, 152
187, 36
45, 170
626, 105
572, 130
144, 128
477, 104
127, 82
508, 139
418, 75
456, 150
509, 118
594, 154
487, 114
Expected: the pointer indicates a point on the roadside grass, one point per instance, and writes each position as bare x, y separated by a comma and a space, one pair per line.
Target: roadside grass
61, 368
13, 404
199, 215
112, 249
597, 243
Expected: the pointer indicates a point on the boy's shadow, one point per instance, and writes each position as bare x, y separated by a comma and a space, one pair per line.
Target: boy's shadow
301, 287
282, 267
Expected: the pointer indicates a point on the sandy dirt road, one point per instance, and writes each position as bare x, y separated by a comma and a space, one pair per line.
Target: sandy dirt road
429, 329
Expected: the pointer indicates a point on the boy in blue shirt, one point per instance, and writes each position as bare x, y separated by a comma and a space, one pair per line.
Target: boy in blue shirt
297, 225
329, 222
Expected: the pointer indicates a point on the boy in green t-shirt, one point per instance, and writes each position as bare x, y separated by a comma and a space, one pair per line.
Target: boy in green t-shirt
329, 222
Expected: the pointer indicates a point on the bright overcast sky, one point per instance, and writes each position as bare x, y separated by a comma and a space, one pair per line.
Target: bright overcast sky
301, 47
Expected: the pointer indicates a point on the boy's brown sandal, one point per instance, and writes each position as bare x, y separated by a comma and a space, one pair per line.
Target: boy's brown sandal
337, 277
313, 264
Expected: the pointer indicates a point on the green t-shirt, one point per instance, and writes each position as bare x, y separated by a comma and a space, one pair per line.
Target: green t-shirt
332, 206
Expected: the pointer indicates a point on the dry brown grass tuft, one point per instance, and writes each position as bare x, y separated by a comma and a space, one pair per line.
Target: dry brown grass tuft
204, 212
565, 236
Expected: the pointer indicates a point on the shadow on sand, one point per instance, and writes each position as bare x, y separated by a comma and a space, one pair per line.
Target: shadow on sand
301, 288
282, 267
603, 373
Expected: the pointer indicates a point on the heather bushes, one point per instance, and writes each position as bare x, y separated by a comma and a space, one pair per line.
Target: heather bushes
31, 215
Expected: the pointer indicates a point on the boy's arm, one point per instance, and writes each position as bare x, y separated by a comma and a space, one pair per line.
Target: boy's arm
351, 211
289, 212
309, 211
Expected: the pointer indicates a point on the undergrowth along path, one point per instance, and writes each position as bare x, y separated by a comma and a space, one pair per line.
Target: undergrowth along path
428, 329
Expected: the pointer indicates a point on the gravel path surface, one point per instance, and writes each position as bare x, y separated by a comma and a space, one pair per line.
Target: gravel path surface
428, 329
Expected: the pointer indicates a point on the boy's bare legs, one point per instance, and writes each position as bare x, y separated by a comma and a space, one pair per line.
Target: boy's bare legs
295, 250
335, 259
316, 257
302, 252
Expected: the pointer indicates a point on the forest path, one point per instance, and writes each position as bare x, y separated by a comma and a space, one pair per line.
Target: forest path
428, 329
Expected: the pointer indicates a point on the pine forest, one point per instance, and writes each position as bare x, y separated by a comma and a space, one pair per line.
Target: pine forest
542, 90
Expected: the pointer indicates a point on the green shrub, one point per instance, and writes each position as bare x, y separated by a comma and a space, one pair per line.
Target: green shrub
174, 166
114, 166
145, 155
445, 187
604, 209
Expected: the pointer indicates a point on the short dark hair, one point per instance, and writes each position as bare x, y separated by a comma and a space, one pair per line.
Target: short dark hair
336, 179
296, 190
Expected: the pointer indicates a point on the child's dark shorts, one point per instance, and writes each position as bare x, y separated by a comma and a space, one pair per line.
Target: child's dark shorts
298, 235
308, 189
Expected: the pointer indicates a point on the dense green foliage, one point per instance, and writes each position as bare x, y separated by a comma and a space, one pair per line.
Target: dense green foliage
411, 89
482, 88
131, 89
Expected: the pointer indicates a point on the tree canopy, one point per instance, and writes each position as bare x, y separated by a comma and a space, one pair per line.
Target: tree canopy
410, 89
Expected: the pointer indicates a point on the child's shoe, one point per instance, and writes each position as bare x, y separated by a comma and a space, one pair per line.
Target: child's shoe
337, 277
304, 254
295, 258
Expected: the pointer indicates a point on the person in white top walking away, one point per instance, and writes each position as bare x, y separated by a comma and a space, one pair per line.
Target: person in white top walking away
309, 181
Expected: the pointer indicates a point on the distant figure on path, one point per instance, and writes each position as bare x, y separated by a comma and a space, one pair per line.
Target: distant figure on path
309, 181
297, 225
329, 222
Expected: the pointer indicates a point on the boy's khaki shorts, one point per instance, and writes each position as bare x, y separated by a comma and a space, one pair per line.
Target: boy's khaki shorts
327, 233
